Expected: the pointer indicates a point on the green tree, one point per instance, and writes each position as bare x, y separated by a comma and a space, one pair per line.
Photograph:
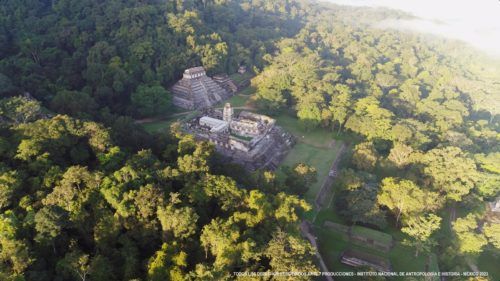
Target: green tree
288, 208
101, 269
400, 155
300, 178
288, 252
150, 100
15, 253
147, 201
49, 224
179, 221
469, 240
259, 207
19, 110
404, 197
6, 85
221, 239
360, 205
167, 264
73, 103
492, 232
75, 192
75, 264
451, 171
420, 229
10, 183
489, 162
365, 156
370, 119
340, 105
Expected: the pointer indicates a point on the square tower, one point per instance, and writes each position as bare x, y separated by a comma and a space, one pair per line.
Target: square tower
227, 114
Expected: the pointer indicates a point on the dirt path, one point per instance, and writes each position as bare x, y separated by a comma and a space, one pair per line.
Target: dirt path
305, 229
471, 265
453, 216
319, 202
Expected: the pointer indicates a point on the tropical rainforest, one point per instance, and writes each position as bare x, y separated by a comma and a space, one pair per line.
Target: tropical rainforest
87, 194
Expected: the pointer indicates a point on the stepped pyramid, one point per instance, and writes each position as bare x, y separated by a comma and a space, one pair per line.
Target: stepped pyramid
196, 90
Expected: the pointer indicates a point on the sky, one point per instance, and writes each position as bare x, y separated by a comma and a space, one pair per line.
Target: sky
474, 21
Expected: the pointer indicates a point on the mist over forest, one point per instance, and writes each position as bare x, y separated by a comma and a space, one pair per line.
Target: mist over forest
396, 143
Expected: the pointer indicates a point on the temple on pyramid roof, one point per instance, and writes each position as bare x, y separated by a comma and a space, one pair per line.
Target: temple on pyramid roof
196, 90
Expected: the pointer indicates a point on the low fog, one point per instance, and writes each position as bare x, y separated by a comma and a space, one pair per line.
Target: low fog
475, 22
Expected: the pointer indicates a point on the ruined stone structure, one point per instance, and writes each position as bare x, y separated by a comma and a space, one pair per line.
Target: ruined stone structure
196, 90
242, 69
495, 205
356, 259
225, 82
250, 139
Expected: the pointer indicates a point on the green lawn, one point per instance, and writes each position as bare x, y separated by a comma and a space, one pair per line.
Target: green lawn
156, 126
489, 261
402, 258
316, 147
247, 91
372, 234
317, 137
244, 138
235, 101
237, 78
328, 215
319, 158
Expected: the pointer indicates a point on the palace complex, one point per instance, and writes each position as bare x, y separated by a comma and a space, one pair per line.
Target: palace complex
250, 139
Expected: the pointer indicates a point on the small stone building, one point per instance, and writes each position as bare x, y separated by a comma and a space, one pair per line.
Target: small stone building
225, 82
360, 259
242, 69
495, 205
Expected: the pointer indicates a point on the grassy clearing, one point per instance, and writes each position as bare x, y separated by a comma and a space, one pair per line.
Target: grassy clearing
317, 137
488, 261
320, 158
157, 126
235, 101
328, 215
238, 101
248, 91
402, 258
372, 234
238, 78
164, 124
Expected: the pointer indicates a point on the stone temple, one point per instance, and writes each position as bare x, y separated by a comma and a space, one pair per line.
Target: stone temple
196, 90
249, 139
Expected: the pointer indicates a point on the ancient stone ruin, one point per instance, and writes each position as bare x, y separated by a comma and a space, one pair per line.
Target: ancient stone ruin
495, 205
196, 90
225, 82
249, 139
242, 69
361, 259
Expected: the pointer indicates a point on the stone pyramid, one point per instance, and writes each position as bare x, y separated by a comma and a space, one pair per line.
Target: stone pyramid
196, 90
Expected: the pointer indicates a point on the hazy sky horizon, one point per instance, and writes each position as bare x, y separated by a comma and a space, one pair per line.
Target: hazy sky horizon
475, 22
